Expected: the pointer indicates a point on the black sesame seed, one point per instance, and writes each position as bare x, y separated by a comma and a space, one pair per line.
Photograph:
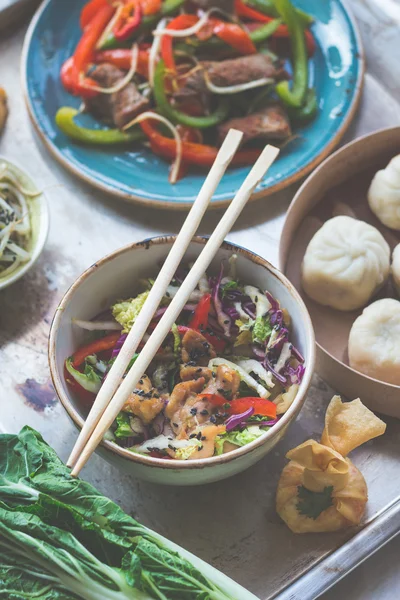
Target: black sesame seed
214, 374
175, 424
203, 438
199, 370
213, 419
220, 390
170, 446
199, 448
168, 294
204, 412
156, 396
256, 299
198, 436
192, 435
193, 411
226, 321
141, 381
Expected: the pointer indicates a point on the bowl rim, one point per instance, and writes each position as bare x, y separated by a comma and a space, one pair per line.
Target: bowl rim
283, 259
308, 168
43, 225
205, 462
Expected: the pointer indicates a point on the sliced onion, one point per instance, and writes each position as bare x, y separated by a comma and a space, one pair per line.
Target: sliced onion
122, 83
154, 51
97, 325
152, 115
110, 26
180, 33
235, 89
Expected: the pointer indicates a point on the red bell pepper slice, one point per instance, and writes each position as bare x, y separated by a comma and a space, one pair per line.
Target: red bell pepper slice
200, 317
67, 75
84, 54
89, 11
262, 407
245, 11
122, 58
106, 343
180, 22
235, 36
150, 7
195, 154
128, 21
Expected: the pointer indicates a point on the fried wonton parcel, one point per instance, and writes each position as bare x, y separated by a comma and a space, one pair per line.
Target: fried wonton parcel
349, 424
320, 489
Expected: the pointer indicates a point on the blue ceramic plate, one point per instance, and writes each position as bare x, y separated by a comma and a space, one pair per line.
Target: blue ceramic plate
336, 71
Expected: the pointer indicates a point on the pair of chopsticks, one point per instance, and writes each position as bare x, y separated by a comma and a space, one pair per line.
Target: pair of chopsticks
116, 389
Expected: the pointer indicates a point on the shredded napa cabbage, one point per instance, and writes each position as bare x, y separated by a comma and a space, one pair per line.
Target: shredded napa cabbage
126, 312
239, 438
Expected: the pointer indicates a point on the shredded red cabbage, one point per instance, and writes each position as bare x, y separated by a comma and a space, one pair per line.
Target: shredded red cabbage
295, 375
297, 355
258, 352
279, 340
236, 420
273, 302
223, 319
118, 345
267, 364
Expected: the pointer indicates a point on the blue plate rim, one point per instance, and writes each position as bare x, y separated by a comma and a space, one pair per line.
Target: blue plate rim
179, 206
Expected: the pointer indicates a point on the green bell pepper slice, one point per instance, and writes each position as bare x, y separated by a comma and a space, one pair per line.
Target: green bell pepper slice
95, 137
177, 116
297, 94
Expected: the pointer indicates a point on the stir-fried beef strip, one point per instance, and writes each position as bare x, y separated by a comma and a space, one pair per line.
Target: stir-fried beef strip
226, 383
196, 350
270, 123
145, 401
119, 108
236, 71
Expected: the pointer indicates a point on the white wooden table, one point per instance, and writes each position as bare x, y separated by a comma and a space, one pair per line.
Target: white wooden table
26, 308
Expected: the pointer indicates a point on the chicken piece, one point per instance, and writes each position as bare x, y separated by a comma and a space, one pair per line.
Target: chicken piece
196, 349
226, 383
189, 373
180, 395
208, 435
145, 402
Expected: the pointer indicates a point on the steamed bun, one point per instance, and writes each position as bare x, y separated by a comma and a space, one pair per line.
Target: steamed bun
374, 342
396, 268
384, 194
345, 263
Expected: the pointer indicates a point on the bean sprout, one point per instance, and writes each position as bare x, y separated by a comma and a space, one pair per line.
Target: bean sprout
15, 222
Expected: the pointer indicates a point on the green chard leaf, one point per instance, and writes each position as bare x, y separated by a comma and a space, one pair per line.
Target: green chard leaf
312, 504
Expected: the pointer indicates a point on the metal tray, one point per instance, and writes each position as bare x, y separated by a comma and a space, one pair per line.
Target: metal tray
231, 524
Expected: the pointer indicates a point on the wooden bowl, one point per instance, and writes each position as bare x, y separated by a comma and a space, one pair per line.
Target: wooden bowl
338, 185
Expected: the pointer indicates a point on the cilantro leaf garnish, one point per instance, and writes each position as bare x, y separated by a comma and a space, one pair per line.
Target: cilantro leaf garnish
312, 504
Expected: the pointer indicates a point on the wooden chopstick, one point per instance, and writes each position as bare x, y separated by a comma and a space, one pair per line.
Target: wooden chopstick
145, 357
171, 263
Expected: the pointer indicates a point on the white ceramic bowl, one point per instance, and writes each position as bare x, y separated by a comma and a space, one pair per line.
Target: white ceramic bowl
114, 277
39, 214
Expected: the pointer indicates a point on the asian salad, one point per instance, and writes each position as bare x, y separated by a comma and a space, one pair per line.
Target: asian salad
223, 376
176, 75
15, 222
